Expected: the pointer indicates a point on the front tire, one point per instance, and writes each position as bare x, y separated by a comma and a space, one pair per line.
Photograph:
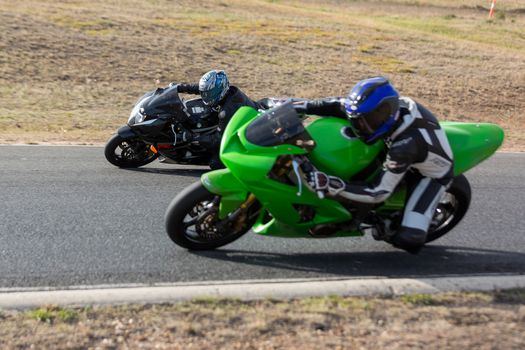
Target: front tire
192, 220
128, 153
451, 209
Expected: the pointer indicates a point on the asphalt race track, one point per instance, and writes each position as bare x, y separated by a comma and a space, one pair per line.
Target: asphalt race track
69, 218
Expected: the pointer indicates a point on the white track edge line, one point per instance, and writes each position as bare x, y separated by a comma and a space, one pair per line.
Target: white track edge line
248, 290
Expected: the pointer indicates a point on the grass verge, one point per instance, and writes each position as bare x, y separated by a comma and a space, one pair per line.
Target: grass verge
437, 321
70, 71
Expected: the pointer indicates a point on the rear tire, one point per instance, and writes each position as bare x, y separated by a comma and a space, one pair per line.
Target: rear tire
128, 153
197, 207
451, 209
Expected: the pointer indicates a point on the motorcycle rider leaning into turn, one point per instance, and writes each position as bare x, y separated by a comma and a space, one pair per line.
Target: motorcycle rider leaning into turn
216, 92
416, 145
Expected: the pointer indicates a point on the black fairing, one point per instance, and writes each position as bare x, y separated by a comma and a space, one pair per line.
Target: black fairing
165, 103
168, 121
151, 128
200, 115
126, 132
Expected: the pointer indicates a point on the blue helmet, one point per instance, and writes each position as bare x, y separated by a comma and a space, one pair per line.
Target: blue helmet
213, 86
373, 108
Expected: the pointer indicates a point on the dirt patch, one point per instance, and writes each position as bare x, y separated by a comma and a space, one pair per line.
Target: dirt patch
70, 71
447, 321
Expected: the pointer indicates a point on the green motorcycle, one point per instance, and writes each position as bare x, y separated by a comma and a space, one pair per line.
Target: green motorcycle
264, 186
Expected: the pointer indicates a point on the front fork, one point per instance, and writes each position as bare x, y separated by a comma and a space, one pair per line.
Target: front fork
232, 220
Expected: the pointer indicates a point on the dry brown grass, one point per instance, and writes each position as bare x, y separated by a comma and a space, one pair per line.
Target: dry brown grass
70, 70
447, 321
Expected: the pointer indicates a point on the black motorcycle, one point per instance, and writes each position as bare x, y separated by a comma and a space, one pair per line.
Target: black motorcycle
162, 124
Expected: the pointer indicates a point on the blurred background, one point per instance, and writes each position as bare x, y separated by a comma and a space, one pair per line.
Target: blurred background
70, 71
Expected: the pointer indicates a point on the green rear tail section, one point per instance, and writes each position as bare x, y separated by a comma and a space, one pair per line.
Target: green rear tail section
472, 143
248, 166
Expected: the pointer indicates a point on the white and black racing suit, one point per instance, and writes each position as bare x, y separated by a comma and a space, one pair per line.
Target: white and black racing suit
416, 146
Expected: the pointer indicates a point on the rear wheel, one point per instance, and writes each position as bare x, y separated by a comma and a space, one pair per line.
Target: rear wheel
128, 153
451, 209
192, 220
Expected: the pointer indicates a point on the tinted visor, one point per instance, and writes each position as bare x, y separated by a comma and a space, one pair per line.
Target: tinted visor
368, 123
360, 126
209, 97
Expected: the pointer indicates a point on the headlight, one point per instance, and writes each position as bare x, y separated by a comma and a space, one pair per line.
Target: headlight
136, 115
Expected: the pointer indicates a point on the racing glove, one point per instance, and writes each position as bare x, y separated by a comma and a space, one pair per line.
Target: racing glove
323, 184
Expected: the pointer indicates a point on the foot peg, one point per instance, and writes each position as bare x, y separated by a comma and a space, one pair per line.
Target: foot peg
380, 230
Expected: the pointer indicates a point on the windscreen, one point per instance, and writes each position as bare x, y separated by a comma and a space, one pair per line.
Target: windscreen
164, 103
275, 126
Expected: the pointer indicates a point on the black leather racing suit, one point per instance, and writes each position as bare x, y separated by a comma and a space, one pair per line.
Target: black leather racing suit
417, 146
226, 108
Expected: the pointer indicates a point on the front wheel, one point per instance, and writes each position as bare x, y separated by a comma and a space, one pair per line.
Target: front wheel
192, 220
451, 209
128, 153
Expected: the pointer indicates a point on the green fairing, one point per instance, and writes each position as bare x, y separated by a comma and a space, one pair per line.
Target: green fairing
339, 156
232, 192
472, 143
248, 166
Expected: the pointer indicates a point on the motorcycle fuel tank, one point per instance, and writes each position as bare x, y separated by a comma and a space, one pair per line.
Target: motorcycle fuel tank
336, 154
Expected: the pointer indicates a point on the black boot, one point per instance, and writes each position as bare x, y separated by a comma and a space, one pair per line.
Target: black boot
409, 239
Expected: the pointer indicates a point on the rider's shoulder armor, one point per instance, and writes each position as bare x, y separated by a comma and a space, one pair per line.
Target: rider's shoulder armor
234, 100
434, 157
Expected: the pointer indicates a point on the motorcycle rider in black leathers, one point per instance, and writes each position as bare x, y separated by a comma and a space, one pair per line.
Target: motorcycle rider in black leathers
216, 92
416, 144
